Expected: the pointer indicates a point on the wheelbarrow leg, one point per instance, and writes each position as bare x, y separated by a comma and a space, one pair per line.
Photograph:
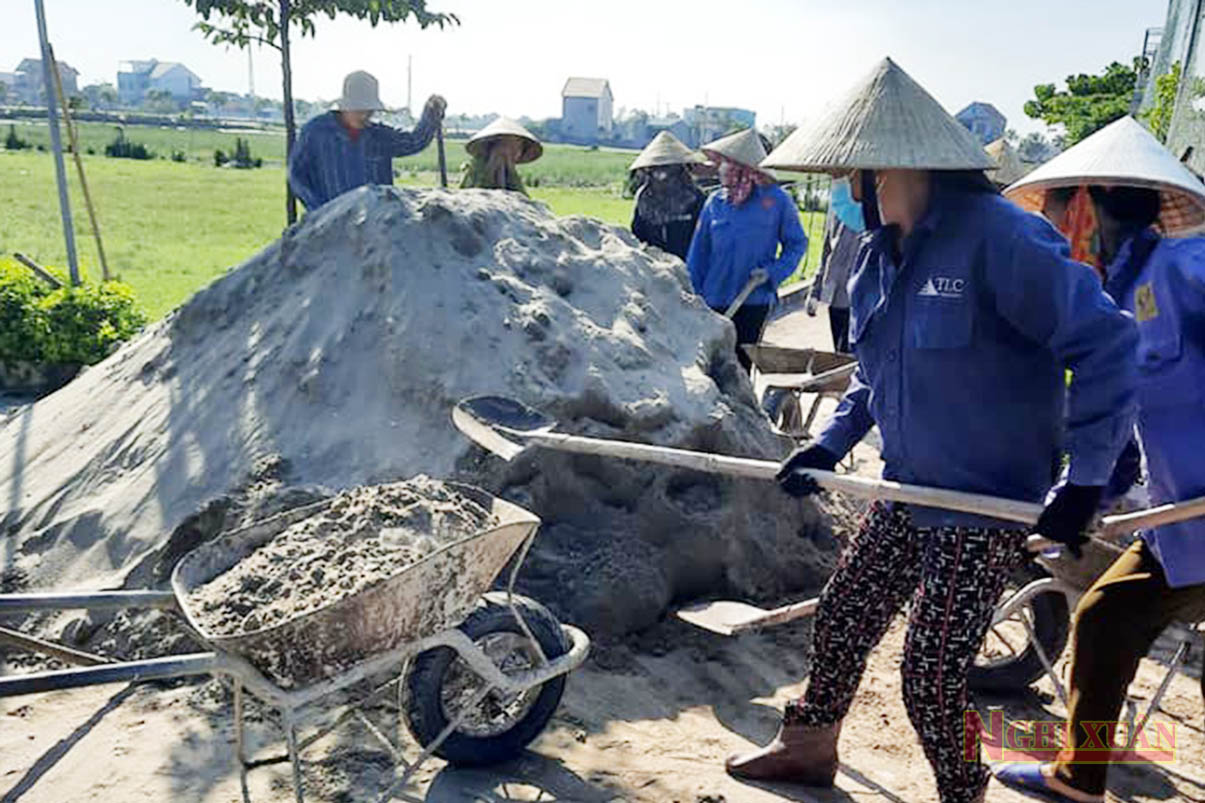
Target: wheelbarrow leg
240, 743
294, 756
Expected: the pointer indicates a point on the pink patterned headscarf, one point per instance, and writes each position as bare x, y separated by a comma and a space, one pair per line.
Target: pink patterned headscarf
738, 180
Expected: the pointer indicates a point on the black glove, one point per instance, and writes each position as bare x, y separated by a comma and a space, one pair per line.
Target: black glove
800, 485
1068, 515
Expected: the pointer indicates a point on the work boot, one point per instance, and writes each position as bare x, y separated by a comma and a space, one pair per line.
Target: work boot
803, 754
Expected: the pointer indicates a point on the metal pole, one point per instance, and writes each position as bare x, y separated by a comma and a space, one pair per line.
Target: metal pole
56, 143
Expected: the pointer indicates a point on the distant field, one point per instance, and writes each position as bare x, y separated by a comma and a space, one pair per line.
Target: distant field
170, 228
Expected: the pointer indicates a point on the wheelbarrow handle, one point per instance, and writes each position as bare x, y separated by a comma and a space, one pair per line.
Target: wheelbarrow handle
175, 666
89, 600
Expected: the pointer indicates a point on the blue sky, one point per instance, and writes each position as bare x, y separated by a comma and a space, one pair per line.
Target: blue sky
783, 58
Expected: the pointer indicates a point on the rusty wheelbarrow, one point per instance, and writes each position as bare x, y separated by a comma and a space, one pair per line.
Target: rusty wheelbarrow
477, 675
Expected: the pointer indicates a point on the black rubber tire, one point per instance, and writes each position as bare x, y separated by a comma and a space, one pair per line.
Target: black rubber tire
1051, 625
424, 709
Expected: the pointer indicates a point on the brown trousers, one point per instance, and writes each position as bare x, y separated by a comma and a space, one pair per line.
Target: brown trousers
1116, 622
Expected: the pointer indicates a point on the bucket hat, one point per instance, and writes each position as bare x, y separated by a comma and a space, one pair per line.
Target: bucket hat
360, 93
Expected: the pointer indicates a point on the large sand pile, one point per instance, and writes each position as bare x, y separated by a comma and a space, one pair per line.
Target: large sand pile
333, 358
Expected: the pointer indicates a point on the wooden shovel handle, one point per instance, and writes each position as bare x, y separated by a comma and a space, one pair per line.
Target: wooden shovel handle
863, 487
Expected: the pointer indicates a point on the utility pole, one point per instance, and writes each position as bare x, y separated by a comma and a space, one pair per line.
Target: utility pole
56, 144
410, 85
250, 77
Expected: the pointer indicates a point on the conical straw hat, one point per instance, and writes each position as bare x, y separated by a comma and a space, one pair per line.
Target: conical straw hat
1005, 155
665, 149
502, 126
1122, 154
743, 147
886, 121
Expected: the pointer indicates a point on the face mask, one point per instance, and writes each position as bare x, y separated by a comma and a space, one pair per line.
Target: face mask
847, 210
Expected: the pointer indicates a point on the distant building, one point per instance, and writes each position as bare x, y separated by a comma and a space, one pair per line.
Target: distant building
674, 125
586, 110
707, 123
984, 121
136, 78
25, 84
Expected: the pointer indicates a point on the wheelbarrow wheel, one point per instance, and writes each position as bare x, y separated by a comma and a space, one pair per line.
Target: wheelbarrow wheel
1008, 662
441, 684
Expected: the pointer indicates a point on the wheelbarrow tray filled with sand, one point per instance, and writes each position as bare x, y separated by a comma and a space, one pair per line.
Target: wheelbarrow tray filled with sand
481, 673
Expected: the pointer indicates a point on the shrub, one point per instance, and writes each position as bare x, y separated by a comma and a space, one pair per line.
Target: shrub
85, 324
242, 158
178, 156
122, 148
220, 158
79, 325
13, 142
21, 335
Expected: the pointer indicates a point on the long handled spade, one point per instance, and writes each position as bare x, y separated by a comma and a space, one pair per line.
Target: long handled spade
508, 428
751, 285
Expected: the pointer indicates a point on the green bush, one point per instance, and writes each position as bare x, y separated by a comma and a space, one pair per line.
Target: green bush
81, 324
122, 148
21, 334
13, 142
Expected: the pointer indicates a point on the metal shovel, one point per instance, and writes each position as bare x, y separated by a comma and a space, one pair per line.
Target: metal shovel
508, 428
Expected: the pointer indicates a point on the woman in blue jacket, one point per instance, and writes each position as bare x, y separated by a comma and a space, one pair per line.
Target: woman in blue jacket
965, 314
1117, 193
739, 235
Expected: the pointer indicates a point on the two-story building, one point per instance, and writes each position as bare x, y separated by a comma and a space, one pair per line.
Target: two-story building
136, 78
25, 84
586, 115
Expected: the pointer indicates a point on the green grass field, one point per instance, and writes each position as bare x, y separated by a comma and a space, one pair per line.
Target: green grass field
169, 228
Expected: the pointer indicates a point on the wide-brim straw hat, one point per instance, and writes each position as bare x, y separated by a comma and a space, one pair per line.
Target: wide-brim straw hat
886, 121
1122, 154
743, 147
504, 127
665, 149
1005, 155
361, 93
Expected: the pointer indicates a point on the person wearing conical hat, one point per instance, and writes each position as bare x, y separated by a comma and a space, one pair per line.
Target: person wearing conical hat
667, 201
749, 230
965, 314
343, 149
1010, 168
496, 150
1136, 193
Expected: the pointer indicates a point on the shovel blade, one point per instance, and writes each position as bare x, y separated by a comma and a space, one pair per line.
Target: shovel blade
723, 616
487, 420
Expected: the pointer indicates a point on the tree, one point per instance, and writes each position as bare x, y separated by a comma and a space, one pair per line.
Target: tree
1159, 117
160, 101
1089, 103
270, 22
3, 91
1035, 148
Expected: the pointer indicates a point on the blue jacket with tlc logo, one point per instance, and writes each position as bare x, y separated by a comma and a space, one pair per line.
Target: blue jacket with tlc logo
731, 241
962, 348
1166, 293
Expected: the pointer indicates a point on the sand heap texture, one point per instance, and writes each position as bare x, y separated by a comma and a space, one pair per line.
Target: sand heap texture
366, 535
335, 356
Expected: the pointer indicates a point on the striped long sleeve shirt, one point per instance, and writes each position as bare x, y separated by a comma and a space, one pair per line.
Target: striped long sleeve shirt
327, 162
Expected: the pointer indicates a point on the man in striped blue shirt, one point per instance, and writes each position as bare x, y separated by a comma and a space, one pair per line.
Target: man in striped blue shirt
343, 149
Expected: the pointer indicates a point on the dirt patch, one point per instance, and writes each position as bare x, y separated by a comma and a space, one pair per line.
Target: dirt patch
365, 536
